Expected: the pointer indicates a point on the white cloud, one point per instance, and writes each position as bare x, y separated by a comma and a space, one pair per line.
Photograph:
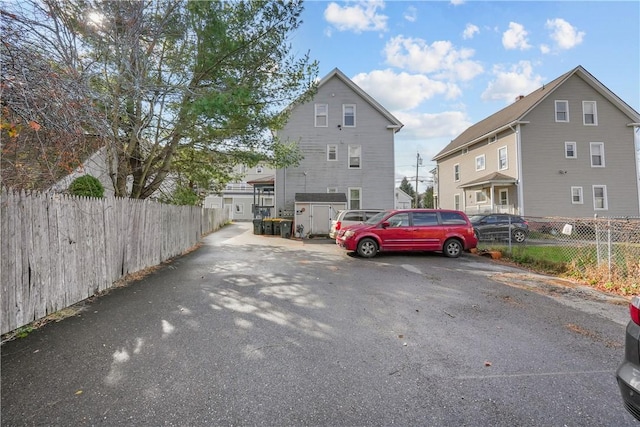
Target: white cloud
544, 49
439, 57
470, 31
515, 37
420, 126
403, 91
564, 34
411, 14
510, 83
362, 16
457, 2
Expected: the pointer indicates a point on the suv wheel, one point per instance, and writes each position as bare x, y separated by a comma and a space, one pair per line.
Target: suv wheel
367, 248
519, 236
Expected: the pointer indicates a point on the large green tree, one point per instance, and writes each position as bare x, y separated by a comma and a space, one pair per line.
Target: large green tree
176, 80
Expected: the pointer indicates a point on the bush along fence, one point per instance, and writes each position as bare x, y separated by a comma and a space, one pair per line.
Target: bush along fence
58, 250
599, 250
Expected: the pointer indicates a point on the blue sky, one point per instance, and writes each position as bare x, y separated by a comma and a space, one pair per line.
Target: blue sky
440, 66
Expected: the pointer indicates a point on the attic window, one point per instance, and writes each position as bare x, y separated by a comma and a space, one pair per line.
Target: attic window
322, 115
562, 111
493, 138
465, 151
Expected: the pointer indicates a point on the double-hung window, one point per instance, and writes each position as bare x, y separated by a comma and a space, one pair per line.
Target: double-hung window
480, 162
481, 196
562, 111
600, 197
502, 159
456, 172
576, 195
355, 195
355, 157
322, 115
349, 115
597, 154
570, 150
332, 152
589, 113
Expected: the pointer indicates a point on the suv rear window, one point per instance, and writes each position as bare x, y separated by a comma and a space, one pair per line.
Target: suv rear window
452, 218
353, 216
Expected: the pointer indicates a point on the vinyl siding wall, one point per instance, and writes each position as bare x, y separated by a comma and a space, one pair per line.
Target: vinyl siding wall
376, 175
547, 192
448, 187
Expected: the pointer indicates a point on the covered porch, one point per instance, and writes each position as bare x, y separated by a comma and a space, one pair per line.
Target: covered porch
493, 193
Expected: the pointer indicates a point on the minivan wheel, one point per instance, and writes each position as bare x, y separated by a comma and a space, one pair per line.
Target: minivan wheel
452, 248
367, 248
519, 236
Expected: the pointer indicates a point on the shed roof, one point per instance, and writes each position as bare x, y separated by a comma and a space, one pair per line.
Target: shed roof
321, 197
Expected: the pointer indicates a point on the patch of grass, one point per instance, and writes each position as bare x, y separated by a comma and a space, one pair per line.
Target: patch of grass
621, 276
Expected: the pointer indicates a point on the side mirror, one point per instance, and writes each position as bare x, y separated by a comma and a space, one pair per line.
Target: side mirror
385, 224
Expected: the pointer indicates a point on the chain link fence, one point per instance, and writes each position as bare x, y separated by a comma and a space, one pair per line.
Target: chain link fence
597, 250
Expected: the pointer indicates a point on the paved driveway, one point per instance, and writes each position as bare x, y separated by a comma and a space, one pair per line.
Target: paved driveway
257, 330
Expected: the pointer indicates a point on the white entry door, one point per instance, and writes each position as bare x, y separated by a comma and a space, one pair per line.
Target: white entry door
320, 219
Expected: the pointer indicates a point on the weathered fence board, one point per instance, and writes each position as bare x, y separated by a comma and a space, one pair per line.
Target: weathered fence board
58, 250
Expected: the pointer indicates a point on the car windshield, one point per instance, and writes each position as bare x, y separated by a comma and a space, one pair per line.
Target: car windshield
376, 218
475, 218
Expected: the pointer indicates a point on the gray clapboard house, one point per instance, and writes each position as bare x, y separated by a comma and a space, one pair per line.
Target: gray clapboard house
347, 139
570, 148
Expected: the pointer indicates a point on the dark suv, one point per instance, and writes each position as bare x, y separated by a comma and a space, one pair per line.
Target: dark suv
500, 227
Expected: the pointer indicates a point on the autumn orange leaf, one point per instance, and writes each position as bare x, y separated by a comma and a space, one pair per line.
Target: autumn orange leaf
34, 125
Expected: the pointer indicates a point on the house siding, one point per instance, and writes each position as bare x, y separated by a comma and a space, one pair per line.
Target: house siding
315, 173
547, 191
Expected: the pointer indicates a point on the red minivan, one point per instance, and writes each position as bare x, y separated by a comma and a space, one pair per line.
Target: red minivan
439, 230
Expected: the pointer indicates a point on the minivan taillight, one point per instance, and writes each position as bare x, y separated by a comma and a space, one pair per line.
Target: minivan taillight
634, 310
338, 225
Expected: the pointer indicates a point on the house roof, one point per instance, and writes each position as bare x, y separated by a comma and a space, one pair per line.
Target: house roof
494, 178
515, 112
396, 125
321, 197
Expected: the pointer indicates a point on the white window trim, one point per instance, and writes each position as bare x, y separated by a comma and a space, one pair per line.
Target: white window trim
500, 193
316, 115
555, 104
335, 146
606, 202
344, 108
457, 196
595, 113
332, 189
484, 162
477, 199
506, 158
349, 197
580, 193
349, 159
591, 145
456, 168
575, 150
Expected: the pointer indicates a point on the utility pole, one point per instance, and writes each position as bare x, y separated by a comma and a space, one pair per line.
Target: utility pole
418, 163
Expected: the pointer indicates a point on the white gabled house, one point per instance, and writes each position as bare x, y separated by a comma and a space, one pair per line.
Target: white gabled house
570, 148
347, 140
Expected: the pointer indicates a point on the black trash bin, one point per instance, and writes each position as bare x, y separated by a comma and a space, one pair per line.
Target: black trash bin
285, 228
257, 226
276, 226
267, 224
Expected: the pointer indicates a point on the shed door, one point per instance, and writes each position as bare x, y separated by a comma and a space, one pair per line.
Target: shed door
320, 219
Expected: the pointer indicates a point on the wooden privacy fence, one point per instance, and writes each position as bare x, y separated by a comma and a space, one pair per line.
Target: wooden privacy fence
57, 250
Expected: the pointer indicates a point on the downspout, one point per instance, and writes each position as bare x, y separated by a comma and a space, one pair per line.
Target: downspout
636, 144
519, 185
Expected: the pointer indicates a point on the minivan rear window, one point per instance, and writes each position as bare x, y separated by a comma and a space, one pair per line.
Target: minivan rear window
452, 218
